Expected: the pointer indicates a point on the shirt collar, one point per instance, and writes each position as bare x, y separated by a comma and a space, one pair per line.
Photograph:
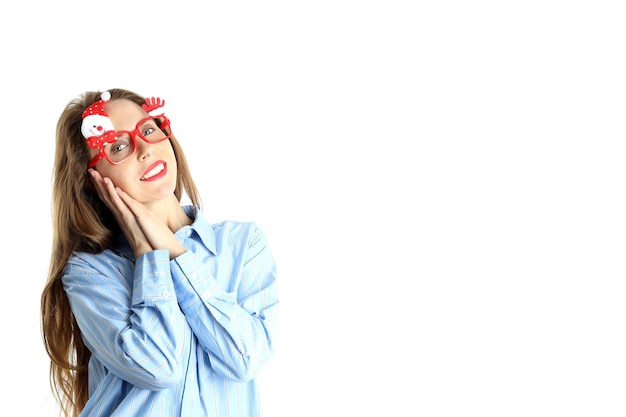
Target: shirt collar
202, 227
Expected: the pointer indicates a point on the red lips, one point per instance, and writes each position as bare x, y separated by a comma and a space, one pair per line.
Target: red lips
156, 176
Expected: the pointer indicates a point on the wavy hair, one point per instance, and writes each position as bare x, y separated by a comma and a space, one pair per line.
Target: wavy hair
81, 222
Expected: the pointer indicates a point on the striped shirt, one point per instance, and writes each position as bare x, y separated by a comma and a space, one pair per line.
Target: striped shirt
182, 337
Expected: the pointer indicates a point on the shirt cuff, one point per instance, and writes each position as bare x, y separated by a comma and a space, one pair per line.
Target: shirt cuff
193, 279
152, 281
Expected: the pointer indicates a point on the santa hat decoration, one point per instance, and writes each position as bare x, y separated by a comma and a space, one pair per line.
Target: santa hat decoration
96, 122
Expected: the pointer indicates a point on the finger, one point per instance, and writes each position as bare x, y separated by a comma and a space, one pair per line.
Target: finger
99, 185
138, 209
130, 202
108, 194
154, 229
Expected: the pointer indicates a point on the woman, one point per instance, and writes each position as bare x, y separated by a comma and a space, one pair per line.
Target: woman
148, 310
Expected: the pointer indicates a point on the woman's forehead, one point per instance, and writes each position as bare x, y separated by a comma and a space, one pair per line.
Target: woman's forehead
124, 113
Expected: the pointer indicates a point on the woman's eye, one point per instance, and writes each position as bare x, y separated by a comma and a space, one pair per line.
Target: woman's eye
148, 130
118, 146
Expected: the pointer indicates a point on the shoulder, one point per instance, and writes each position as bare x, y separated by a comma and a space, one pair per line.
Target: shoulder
83, 263
79, 259
236, 230
241, 235
232, 227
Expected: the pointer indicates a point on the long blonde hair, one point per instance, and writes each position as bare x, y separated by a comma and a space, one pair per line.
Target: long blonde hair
81, 222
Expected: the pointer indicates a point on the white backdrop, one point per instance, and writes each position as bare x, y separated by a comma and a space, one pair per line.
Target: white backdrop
442, 184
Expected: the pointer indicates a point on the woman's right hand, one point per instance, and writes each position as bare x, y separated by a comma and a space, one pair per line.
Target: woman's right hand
123, 214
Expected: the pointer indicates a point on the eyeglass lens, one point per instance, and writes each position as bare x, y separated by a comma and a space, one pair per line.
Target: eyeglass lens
125, 144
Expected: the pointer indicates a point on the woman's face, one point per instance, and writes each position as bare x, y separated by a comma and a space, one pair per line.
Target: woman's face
149, 174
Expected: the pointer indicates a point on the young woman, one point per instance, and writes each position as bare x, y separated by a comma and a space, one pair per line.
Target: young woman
148, 310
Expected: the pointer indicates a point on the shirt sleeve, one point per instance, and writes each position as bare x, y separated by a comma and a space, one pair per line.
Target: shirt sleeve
230, 300
129, 316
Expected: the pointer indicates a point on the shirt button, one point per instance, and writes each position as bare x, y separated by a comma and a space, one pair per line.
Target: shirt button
193, 276
166, 294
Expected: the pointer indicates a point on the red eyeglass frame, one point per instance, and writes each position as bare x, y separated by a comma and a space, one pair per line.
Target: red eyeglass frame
98, 142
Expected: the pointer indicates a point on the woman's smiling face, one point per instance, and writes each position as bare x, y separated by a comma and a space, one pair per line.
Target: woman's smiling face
149, 174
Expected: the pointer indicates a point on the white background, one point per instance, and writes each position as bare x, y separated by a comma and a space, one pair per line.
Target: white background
442, 184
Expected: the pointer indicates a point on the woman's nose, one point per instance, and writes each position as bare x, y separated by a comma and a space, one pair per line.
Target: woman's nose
144, 149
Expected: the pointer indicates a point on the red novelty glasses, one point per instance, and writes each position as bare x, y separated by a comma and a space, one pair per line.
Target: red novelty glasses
117, 146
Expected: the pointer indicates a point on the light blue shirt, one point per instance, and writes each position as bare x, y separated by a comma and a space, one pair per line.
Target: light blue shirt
182, 337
